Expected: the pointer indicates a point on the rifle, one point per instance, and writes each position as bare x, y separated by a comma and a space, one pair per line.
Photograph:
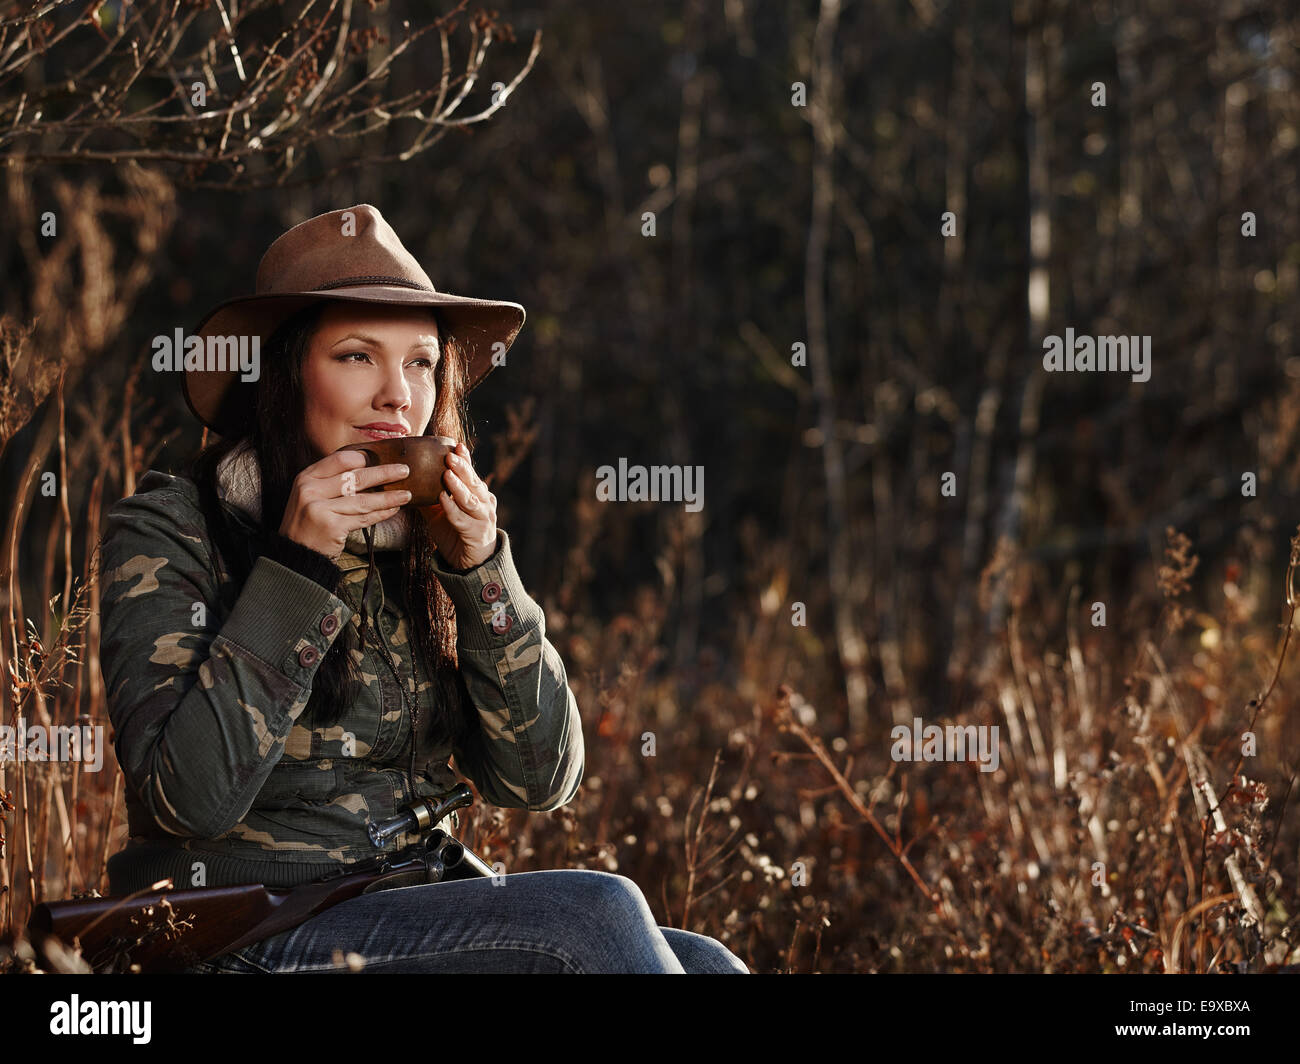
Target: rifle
167, 931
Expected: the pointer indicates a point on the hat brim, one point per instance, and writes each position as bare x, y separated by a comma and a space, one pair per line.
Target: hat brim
478, 325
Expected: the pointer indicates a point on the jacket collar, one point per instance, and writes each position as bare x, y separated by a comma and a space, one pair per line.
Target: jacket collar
239, 484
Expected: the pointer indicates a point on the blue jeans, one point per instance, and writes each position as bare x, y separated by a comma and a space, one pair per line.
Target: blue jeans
565, 920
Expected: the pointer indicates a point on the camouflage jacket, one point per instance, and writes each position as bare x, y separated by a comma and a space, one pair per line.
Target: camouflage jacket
223, 785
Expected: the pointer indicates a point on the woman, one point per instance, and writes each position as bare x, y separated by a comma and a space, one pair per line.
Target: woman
290, 656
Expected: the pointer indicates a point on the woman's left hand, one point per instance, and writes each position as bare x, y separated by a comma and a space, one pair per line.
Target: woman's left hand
463, 523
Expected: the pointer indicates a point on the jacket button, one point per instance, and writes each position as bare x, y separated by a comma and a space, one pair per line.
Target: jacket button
491, 591
503, 624
307, 656
329, 624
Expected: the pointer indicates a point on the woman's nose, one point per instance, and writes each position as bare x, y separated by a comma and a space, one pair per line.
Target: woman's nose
395, 391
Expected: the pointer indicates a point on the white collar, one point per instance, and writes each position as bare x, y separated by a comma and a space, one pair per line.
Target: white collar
239, 483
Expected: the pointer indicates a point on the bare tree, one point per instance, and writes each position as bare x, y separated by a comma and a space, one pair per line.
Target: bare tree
848, 637
233, 100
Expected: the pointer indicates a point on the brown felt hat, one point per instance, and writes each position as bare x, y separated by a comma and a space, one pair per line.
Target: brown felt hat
349, 255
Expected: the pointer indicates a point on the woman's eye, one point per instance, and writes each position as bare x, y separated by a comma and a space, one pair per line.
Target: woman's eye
423, 362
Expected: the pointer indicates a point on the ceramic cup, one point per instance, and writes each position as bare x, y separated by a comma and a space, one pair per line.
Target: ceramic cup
425, 455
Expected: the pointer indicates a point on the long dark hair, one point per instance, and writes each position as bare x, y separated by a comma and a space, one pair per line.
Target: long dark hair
275, 428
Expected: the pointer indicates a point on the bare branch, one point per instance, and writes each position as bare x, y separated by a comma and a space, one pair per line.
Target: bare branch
284, 92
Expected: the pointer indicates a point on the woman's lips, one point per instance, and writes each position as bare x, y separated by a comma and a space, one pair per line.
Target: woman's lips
376, 434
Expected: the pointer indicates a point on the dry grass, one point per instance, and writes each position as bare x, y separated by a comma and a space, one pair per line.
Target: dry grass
1125, 830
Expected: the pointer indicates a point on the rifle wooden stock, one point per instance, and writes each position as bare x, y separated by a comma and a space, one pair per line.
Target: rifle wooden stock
167, 931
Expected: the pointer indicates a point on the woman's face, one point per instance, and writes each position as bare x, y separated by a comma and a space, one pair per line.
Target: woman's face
369, 365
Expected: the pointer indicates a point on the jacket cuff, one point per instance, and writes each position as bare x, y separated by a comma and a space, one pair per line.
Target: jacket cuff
492, 607
286, 619
303, 560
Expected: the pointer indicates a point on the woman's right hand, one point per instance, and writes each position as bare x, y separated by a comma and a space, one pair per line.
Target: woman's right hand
329, 500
